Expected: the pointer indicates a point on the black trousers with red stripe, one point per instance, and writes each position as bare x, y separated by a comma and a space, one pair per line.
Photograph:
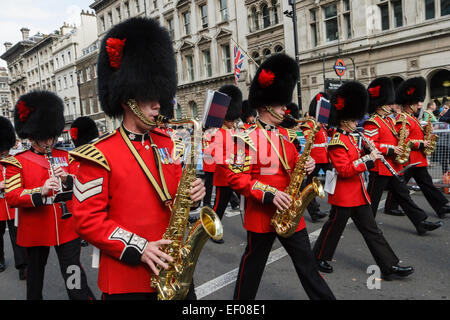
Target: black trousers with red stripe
378, 183
362, 216
223, 196
255, 257
208, 188
421, 175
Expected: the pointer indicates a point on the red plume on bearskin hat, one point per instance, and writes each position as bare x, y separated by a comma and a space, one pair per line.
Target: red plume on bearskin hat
83, 130
136, 61
381, 93
235, 108
39, 114
313, 103
349, 102
411, 91
7, 135
274, 82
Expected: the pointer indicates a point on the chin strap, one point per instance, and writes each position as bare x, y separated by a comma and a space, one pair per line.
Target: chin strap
138, 112
273, 113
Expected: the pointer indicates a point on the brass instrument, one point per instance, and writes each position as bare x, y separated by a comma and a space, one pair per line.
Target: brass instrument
174, 283
429, 136
403, 157
65, 212
286, 221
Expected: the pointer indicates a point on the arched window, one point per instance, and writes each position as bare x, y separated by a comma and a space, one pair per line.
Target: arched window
278, 49
257, 58
275, 11
265, 15
255, 19
440, 84
178, 114
267, 53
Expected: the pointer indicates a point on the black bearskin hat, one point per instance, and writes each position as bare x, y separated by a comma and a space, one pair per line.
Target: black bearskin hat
166, 108
349, 102
274, 82
411, 91
381, 93
83, 130
235, 107
247, 111
38, 115
292, 110
136, 61
7, 135
313, 103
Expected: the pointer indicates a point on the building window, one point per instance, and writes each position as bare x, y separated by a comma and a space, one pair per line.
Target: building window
384, 10
347, 20
255, 19
102, 23
429, 9
155, 4
95, 70
170, 27
190, 68
80, 76
71, 80
187, 22
207, 63
267, 53
223, 10
204, 15
226, 58
445, 7
88, 73
69, 58
331, 22
278, 49
265, 16
398, 13
65, 82
275, 11
194, 109
314, 29
138, 6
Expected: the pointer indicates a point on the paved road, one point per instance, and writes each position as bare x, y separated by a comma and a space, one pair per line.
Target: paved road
217, 266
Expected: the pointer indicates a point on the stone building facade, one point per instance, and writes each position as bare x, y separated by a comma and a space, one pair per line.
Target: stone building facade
5, 95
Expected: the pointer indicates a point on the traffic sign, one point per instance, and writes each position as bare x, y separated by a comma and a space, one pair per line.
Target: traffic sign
340, 67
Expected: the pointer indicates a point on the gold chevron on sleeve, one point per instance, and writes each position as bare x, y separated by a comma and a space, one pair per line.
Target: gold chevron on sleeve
91, 153
245, 136
12, 161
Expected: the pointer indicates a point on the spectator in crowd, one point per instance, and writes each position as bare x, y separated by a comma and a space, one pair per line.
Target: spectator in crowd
431, 107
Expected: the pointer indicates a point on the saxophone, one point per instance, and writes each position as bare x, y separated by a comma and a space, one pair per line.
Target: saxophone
429, 136
286, 221
403, 157
174, 283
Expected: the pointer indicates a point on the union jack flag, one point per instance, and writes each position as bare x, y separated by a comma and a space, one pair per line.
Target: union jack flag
238, 61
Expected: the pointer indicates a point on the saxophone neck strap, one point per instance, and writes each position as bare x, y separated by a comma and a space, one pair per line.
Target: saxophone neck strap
283, 159
163, 192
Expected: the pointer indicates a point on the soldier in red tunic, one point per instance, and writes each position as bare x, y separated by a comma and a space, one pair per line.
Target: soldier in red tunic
350, 198
380, 129
127, 180
260, 170
31, 183
7, 214
411, 94
248, 115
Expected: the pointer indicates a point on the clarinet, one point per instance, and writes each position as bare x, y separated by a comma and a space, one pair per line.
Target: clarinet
65, 212
371, 146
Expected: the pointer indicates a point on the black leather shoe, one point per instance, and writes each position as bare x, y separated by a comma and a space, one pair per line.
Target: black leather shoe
2, 266
425, 226
395, 212
23, 273
324, 266
398, 272
218, 241
316, 216
443, 211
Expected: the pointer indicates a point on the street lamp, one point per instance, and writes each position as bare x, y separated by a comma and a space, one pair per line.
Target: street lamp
293, 15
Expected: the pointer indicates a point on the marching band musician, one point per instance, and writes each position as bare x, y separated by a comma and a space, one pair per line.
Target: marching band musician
30, 185
127, 180
222, 148
260, 171
318, 153
411, 94
380, 128
7, 214
350, 198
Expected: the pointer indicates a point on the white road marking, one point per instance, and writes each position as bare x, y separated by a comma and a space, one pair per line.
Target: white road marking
230, 277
